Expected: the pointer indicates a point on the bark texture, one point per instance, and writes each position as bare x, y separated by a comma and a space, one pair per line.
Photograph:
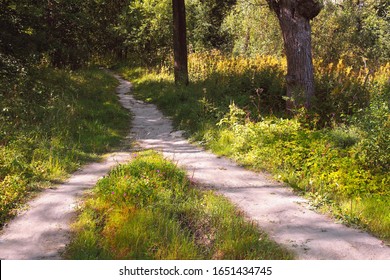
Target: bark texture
294, 19
180, 42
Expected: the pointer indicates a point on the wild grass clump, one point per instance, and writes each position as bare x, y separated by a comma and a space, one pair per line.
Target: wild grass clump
149, 209
52, 121
337, 153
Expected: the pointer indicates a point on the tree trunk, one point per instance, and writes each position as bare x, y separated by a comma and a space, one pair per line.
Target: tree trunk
247, 40
296, 32
180, 42
294, 19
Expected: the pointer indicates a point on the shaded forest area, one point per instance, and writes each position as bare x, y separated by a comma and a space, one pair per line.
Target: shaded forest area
237, 102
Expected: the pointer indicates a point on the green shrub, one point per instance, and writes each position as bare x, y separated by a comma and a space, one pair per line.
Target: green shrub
374, 121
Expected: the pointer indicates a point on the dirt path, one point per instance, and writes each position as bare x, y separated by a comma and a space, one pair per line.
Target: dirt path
43, 231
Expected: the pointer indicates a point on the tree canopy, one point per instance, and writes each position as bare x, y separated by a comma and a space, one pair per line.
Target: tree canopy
73, 33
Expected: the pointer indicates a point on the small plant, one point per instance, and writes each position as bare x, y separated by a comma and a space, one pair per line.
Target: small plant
317, 201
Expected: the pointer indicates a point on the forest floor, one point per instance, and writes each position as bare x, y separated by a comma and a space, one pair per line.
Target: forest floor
43, 231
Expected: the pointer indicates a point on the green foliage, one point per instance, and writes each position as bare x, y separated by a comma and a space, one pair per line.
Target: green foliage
149, 209
72, 33
204, 20
374, 121
51, 121
146, 27
327, 163
64, 33
340, 92
359, 32
254, 28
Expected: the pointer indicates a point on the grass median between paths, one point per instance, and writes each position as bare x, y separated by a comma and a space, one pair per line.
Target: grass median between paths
149, 209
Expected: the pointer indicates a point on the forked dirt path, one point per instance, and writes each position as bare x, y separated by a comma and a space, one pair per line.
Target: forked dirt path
42, 232
283, 215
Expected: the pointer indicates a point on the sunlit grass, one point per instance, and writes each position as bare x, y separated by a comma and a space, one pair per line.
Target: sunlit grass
148, 209
56, 121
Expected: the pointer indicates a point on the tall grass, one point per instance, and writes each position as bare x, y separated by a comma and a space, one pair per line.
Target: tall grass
52, 121
148, 209
337, 154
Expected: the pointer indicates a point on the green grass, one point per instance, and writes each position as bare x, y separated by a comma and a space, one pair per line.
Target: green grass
322, 165
149, 209
53, 121
335, 166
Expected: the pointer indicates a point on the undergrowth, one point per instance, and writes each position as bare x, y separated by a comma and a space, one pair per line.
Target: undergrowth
51, 122
149, 209
337, 154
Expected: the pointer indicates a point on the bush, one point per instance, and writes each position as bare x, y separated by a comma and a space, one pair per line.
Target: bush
374, 121
325, 163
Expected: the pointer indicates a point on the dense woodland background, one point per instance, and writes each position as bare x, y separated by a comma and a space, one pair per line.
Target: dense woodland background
73, 33
56, 111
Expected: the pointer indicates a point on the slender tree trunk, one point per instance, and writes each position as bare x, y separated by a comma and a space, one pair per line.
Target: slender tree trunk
180, 42
247, 40
294, 19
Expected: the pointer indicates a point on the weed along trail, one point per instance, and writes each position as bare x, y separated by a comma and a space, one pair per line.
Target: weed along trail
283, 215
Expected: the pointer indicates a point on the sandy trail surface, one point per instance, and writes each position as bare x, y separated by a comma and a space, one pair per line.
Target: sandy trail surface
42, 232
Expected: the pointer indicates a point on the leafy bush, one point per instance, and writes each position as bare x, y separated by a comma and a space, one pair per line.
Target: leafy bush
374, 121
340, 92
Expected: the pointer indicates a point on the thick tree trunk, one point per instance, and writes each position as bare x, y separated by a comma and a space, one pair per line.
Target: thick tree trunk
297, 44
180, 42
294, 19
